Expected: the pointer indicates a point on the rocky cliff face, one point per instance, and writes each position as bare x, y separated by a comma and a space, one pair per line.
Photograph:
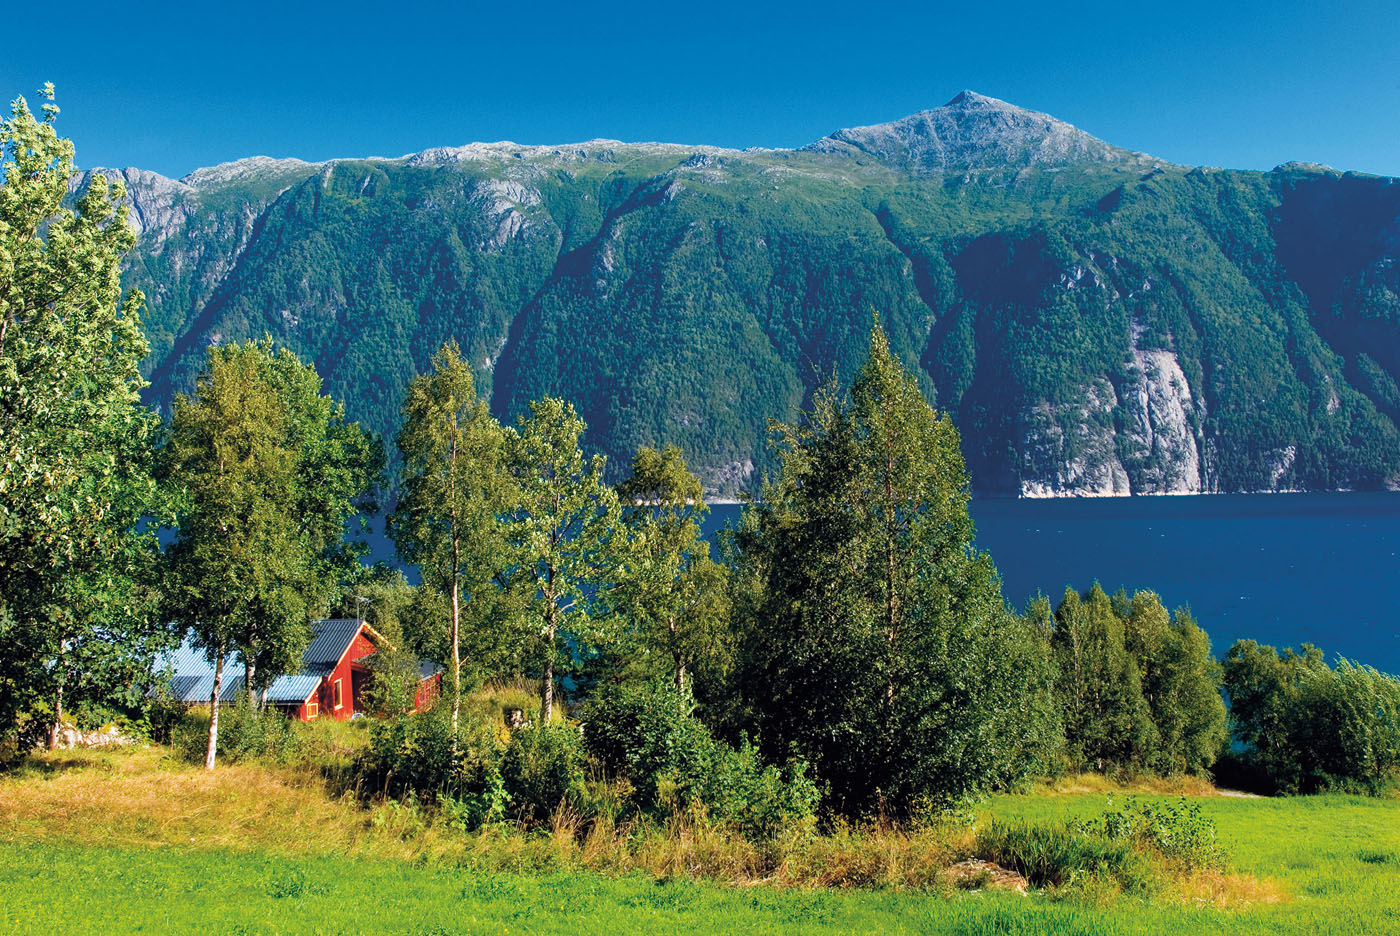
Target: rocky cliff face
1097, 322
973, 131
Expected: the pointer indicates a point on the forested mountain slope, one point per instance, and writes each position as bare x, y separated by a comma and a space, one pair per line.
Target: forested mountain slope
1096, 320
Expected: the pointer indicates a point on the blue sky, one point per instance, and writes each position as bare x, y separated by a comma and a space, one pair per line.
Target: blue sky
173, 87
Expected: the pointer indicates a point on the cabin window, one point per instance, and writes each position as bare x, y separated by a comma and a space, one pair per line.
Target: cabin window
312, 709
338, 702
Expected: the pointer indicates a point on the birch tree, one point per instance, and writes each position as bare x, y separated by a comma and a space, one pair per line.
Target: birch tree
880, 647
447, 521
267, 472
569, 545
677, 601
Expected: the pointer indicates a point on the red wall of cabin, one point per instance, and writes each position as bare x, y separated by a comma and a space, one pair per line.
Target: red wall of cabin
324, 696
427, 692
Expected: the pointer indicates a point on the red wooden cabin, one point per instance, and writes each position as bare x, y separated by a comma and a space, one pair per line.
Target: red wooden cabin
331, 682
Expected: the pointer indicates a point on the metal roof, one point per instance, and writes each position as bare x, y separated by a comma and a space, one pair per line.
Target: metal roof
331, 640
194, 675
293, 688
193, 678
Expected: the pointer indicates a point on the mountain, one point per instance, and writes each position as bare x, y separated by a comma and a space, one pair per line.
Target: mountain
1097, 321
973, 131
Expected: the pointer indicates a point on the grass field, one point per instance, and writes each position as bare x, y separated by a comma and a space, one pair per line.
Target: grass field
139, 842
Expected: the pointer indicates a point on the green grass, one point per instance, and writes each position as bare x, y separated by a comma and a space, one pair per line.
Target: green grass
185, 891
138, 842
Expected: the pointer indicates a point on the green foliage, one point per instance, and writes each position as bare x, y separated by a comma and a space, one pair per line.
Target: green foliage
420, 755
570, 552
1179, 832
78, 626
762, 801
1117, 848
543, 770
1181, 683
645, 733
268, 472
676, 600
1050, 856
1139, 687
454, 487
1107, 721
246, 733
1307, 726
880, 648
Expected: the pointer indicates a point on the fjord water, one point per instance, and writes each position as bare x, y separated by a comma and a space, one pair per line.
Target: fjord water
1282, 569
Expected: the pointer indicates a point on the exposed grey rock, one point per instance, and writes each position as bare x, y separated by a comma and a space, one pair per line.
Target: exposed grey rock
158, 207
1069, 448
731, 477
973, 131
259, 167
1161, 428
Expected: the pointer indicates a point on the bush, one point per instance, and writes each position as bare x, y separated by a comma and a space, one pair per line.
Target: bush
245, 733
645, 732
1180, 833
1128, 848
543, 770
1307, 727
762, 801
1049, 856
412, 754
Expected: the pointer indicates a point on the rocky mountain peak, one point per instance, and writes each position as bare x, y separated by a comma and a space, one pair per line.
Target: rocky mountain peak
970, 98
252, 167
973, 131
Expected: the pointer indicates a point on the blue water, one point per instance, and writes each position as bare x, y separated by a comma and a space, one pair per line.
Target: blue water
1281, 568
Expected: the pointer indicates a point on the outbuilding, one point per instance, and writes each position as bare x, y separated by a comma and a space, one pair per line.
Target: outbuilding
330, 683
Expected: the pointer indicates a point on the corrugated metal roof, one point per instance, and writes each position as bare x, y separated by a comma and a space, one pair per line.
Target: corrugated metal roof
193, 679
332, 638
294, 688
194, 675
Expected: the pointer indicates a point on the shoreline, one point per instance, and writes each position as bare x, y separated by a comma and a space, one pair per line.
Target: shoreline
1079, 495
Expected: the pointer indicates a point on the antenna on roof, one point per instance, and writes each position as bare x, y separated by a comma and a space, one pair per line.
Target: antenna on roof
360, 602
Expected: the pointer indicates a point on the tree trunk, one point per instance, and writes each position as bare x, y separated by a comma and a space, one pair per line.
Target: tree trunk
891, 606
57, 716
214, 712
551, 629
58, 696
456, 656
547, 690
250, 673
547, 687
456, 599
677, 658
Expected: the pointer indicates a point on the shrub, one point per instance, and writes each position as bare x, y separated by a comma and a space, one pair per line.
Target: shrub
1179, 832
1128, 848
412, 754
543, 769
1049, 856
762, 801
645, 733
245, 733
1307, 727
